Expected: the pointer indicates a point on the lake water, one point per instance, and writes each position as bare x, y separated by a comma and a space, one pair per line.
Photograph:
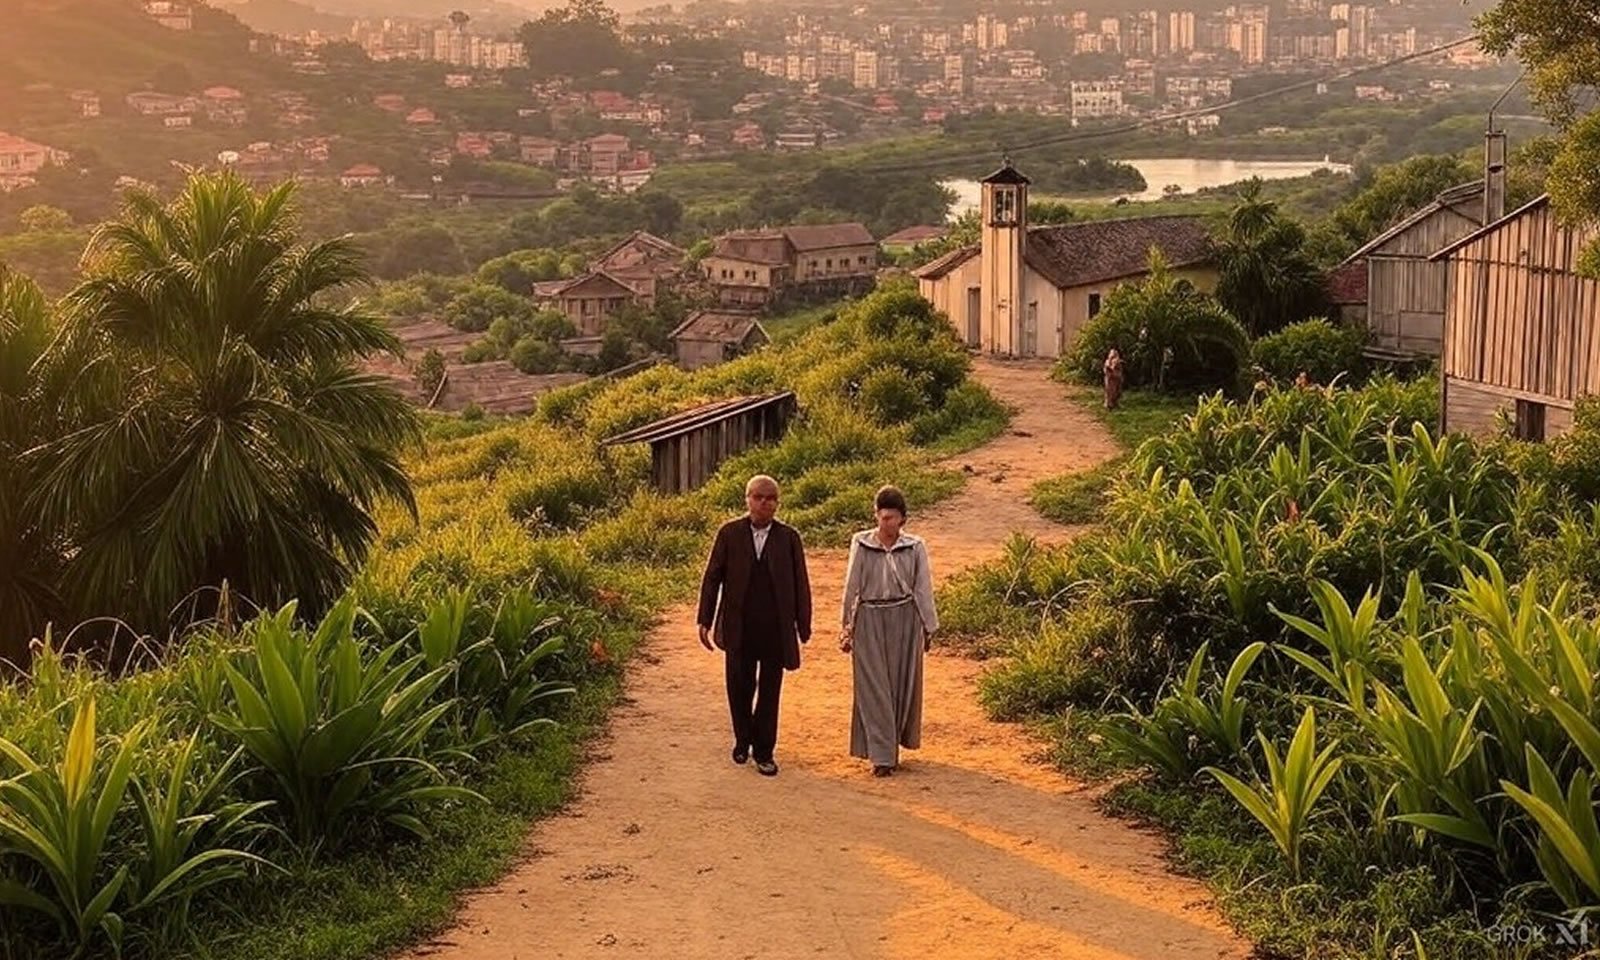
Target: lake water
1188, 174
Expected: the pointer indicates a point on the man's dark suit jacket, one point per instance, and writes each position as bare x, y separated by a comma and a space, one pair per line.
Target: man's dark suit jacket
733, 557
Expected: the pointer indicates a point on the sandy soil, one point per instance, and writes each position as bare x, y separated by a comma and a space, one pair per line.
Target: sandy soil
972, 850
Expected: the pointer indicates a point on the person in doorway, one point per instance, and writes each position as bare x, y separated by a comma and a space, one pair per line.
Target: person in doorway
889, 623
1113, 378
755, 605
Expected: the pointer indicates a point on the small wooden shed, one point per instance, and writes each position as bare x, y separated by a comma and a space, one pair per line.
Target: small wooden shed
1522, 333
710, 337
687, 448
1405, 286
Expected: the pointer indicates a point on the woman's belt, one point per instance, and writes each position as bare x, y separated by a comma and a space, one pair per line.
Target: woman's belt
890, 602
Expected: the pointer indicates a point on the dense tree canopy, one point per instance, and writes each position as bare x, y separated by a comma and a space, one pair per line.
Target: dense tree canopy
578, 40
1268, 278
1393, 193
1559, 41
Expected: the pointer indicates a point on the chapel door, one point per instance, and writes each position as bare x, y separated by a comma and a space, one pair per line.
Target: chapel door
974, 316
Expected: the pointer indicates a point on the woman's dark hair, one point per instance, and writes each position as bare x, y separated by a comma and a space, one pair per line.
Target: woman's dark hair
890, 498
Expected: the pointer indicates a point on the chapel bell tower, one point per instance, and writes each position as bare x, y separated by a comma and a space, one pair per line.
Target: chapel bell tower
1005, 231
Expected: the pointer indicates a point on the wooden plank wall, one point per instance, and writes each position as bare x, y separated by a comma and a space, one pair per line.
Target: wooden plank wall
1405, 303
1471, 408
1432, 234
1520, 321
685, 462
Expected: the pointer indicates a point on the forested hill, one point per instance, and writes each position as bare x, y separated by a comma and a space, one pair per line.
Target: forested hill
112, 48
287, 17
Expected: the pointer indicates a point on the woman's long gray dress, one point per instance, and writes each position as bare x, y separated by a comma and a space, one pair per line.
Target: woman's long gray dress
888, 598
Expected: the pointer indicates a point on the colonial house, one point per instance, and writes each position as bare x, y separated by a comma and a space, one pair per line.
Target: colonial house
588, 300
20, 159
600, 156
1027, 291
711, 337
151, 104
1405, 286
1521, 327
904, 241
753, 268
88, 103
225, 105
541, 151
361, 175
644, 262
172, 14
474, 145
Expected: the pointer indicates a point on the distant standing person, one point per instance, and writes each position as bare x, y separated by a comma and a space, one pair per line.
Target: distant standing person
889, 623
758, 570
1113, 379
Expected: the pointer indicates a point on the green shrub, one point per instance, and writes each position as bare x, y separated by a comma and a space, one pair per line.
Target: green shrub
558, 499
61, 821
1058, 665
1169, 335
1321, 350
1075, 498
1575, 455
891, 395
340, 732
1456, 720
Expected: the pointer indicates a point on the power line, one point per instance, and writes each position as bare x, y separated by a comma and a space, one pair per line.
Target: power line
938, 162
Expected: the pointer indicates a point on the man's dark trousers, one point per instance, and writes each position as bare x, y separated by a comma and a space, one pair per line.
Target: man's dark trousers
755, 670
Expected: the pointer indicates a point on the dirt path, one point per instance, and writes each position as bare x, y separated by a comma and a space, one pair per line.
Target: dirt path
971, 851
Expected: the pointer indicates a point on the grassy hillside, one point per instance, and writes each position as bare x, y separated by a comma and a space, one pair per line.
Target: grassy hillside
112, 47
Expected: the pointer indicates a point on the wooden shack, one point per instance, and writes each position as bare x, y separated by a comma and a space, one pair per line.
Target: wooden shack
687, 448
1522, 333
710, 337
1405, 286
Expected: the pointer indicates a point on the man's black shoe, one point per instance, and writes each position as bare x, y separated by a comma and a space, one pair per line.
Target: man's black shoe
741, 754
767, 768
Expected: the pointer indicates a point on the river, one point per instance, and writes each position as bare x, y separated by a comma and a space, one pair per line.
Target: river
1189, 175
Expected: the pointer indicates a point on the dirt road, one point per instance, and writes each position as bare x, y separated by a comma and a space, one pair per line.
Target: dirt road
972, 850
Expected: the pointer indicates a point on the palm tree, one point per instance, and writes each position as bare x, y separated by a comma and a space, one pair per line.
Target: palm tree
1268, 278
226, 433
32, 384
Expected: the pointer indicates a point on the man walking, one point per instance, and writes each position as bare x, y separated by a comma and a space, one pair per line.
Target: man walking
758, 568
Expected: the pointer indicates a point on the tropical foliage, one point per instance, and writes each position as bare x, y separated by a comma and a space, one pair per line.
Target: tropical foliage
1169, 335
1321, 350
1268, 277
1405, 625
310, 779
1555, 38
216, 429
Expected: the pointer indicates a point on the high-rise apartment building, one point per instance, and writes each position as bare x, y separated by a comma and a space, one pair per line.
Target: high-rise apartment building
1180, 31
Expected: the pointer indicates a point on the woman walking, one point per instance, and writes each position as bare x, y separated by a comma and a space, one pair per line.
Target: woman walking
889, 623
